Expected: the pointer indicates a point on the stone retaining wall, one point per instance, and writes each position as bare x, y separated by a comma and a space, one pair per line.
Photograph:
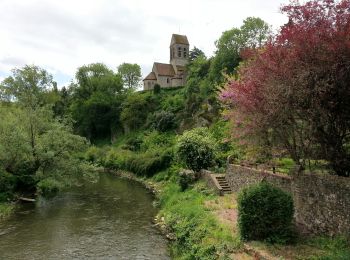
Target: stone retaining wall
240, 176
321, 202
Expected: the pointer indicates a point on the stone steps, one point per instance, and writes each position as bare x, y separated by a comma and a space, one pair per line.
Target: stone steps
223, 184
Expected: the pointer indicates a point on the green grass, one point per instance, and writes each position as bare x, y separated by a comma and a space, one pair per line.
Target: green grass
199, 235
337, 248
6, 210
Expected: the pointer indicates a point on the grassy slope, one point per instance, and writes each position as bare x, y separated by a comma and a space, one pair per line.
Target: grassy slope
198, 220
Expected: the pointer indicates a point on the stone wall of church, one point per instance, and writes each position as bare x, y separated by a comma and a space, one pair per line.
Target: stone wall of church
148, 84
164, 81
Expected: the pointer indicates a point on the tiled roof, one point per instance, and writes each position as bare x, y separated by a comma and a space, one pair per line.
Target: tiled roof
181, 39
164, 69
151, 76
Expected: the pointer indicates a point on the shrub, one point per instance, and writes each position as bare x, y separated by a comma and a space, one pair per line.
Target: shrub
196, 149
186, 177
7, 184
149, 163
156, 89
133, 144
48, 187
164, 121
155, 141
115, 159
95, 154
265, 213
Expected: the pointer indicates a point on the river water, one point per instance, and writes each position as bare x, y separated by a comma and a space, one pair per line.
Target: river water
111, 219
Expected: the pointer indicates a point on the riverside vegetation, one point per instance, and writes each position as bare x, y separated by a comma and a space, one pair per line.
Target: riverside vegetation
51, 138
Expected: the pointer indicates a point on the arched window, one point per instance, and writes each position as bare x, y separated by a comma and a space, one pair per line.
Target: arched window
179, 52
167, 80
185, 53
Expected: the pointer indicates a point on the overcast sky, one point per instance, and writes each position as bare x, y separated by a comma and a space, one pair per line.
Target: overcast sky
62, 35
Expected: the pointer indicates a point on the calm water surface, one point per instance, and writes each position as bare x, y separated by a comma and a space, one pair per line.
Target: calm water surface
111, 219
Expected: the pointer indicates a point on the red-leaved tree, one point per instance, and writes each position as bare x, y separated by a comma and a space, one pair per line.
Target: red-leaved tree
295, 92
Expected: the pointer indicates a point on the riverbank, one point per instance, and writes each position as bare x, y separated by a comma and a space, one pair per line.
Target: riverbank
198, 222
6, 209
187, 221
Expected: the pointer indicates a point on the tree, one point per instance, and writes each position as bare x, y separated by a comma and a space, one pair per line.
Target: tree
296, 91
34, 145
251, 35
134, 112
96, 101
28, 86
195, 53
255, 32
131, 75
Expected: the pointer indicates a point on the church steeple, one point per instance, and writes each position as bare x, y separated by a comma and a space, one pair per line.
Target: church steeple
179, 49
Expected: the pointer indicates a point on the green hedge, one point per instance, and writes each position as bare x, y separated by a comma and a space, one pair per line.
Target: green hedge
265, 213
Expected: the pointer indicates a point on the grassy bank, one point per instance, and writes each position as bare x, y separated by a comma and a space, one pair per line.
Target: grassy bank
6, 209
186, 219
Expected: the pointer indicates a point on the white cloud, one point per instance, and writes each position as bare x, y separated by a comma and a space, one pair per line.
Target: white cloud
63, 35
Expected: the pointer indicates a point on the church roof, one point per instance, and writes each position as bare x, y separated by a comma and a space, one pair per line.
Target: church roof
181, 39
164, 69
151, 76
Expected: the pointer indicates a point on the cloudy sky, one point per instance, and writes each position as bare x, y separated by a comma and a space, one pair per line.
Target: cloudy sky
62, 35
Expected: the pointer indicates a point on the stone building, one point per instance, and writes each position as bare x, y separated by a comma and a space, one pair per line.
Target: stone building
173, 74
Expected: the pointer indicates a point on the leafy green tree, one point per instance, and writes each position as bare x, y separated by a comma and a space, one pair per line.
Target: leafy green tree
28, 85
195, 53
131, 75
255, 32
252, 34
197, 77
96, 101
34, 145
134, 113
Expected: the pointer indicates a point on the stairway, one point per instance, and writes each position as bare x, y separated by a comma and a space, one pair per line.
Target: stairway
223, 184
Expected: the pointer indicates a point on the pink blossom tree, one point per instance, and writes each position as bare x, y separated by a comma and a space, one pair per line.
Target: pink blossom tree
294, 93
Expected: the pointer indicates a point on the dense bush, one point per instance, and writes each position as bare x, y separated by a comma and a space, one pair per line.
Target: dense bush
164, 121
147, 164
7, 183
265, 213
196, 149
133, 144
155, 140
186, 177
48, 187
156, 89
95, 155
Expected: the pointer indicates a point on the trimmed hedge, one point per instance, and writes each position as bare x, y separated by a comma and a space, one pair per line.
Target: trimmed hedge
265, 213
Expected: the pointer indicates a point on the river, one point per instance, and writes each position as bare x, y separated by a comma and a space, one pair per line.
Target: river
111, 219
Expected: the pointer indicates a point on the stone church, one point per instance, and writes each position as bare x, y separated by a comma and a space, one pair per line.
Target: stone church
173, 74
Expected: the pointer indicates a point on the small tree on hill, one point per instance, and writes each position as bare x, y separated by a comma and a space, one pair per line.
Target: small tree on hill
131, 74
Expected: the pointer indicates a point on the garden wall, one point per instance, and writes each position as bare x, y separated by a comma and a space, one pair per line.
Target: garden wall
321, 202
241, 176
